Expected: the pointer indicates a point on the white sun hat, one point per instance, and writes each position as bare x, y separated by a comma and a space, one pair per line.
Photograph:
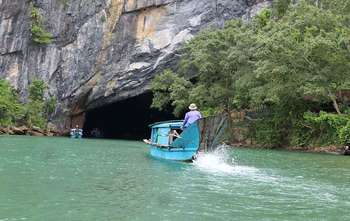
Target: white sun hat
192, 107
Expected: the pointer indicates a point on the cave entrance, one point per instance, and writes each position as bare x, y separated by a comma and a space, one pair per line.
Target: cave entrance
127, 119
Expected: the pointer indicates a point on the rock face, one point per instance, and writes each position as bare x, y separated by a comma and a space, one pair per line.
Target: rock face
103, 51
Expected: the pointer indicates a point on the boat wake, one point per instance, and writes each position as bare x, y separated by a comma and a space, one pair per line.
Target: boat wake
220, 161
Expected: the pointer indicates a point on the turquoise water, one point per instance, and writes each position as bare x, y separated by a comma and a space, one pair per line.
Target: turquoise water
49, 179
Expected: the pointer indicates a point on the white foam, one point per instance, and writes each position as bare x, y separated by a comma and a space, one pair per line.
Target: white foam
212, 162
217, 161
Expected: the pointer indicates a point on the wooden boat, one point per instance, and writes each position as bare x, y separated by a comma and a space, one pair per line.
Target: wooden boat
167, 146
200, 135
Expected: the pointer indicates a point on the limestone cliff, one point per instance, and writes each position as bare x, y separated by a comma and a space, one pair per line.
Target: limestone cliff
103, 50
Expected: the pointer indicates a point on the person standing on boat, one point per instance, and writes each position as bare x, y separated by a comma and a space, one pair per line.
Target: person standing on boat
191, 116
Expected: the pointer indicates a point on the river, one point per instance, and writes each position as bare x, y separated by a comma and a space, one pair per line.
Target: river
56, 179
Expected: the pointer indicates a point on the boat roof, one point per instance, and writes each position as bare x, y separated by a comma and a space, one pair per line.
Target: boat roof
169, 123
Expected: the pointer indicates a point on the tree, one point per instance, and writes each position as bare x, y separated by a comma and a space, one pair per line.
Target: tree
307, 52
39, 108
289, 60
170, 89
11, 109
216, 59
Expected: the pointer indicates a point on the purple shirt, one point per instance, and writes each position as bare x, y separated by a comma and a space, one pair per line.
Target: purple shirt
191, 117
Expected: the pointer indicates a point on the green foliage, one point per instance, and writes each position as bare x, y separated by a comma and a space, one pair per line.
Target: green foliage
36, 90
324, 119
10, 108
65, 3
39, 109
344, 134
327, 128
220, 58
35, 115
280, 7
290, 60
103, 19
39, 34
264, 17
306, 53
50, 107
37, 112
336, 6
169, 88
303, 56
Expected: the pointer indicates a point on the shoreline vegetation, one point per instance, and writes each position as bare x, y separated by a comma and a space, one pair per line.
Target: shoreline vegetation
31, 131
286, 74
331, 149
29, 117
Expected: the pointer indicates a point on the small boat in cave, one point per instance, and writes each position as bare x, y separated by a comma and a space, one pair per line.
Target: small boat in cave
202, 135
76, 133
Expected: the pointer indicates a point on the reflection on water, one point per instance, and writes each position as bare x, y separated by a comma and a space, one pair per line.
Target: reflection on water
62, 179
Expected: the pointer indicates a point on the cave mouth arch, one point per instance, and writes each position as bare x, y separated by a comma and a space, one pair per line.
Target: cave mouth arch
126, 119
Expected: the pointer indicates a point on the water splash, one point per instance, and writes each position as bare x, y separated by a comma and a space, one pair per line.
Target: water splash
220, 161
217, 161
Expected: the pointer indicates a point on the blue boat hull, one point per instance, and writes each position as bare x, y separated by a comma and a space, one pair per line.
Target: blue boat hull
202, 135
76, 136
172, 154
182, 149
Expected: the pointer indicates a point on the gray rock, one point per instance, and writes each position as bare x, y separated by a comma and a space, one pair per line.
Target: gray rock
103, 51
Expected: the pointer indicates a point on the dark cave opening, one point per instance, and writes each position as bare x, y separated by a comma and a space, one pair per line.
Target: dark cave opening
127, 119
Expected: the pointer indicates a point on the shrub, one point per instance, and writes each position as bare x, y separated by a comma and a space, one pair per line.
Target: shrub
11, 109
39, 34
292, 58
344, 134
103, 19
328, 128
39, 109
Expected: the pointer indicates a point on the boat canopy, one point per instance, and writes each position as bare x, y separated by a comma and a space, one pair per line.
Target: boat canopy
167, 124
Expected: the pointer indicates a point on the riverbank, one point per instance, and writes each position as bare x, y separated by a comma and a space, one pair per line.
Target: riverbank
331, 149
35, 131
32, 131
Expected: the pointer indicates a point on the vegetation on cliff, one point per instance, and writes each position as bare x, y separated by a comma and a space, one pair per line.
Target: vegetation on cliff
288, 69
11, 109
38, 109
36, 112
38, 31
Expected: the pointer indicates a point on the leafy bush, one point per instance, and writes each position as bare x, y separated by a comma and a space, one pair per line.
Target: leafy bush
266, 133
39, 34
11, 110
169, 88
280, 7
344, 134
291, 59
264, 17
35, 115
39, 109
37, 112
327, 128
103, 19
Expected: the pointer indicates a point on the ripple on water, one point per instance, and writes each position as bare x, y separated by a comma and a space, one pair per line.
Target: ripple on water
117, 180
